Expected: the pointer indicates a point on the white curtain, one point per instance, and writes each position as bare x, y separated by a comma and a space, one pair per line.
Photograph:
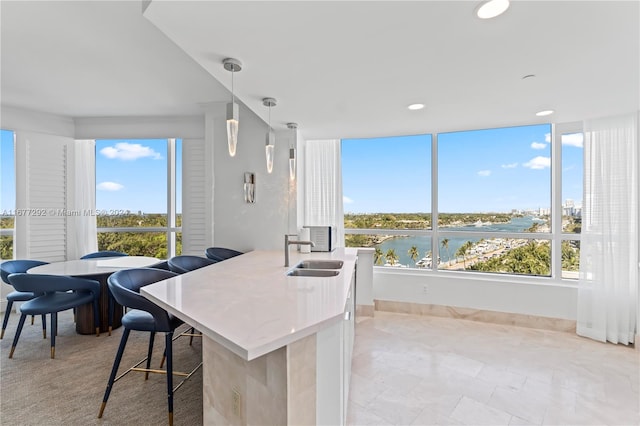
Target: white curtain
608, 286
323, 186
83, 234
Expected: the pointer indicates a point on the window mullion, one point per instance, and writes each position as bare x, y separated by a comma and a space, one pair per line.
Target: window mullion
435, 241
171, 197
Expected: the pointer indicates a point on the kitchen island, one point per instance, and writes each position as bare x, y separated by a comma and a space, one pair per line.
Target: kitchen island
276, 348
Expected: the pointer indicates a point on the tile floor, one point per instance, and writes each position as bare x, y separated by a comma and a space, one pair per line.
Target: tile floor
420, 370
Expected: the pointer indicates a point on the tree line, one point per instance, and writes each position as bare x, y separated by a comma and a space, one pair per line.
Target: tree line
153, 244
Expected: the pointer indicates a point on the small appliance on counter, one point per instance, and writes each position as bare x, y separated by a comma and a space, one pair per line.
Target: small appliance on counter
323, 237
304, 235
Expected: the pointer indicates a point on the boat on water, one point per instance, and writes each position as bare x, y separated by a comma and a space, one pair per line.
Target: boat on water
426, 262
395, 265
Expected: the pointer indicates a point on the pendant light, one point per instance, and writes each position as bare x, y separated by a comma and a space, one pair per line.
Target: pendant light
270, 140
292, 150
234, 66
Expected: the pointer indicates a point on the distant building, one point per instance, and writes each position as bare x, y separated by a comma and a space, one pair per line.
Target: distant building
569, 208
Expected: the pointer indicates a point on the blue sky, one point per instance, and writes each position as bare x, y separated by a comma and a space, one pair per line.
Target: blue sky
131, 174
7, 179
494, 170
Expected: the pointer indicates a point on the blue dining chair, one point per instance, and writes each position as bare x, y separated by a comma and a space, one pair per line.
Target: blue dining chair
185, 263
13, 267
143, 315
103, 253
161, 265
106, 253
54, 294
221, 253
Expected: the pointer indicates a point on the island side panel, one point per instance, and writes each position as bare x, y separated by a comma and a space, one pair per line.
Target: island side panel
301, 356
240, 392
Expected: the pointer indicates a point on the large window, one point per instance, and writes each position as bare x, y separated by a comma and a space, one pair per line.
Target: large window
387, 189
572, 153
138, 196
7, 193
493, 200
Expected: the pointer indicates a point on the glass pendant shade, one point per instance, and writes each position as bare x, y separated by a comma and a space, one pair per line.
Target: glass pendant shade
232, 127
292, 163
270, 149
292, 150
232, 65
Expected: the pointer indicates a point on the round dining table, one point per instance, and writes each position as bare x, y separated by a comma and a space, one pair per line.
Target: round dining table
97, 269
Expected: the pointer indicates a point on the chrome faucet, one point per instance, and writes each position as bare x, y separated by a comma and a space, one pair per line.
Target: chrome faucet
288, 242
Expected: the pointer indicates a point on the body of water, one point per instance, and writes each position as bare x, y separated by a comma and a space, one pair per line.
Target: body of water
402, 245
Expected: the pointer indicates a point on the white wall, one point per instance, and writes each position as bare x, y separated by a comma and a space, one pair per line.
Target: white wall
519, 296
237, 224
186, 127
638, 186
19, 119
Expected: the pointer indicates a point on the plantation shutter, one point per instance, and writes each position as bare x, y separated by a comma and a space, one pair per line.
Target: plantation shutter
41, 219
196, 222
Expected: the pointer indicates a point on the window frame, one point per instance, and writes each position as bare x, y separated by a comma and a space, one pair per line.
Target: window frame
11, 231
171, 230
555, 236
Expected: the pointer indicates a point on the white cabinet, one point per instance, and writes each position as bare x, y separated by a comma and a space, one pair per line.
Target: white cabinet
333, 365
347, 350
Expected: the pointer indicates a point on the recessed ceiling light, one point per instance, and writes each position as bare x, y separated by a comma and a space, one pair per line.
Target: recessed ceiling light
414, 107
545, 112
492, 8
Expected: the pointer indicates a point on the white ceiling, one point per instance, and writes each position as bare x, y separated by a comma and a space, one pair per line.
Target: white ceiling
96, 59
339, 69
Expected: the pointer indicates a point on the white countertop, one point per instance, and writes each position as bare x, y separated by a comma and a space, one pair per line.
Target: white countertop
249, 305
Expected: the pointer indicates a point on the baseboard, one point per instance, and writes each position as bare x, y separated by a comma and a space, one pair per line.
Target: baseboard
365, 310
505, 318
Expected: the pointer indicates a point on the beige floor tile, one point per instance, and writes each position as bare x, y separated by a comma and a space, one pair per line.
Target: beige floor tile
359, 415
501, 376
411, 369
363, 390
517, 421
396, 408
517, 403
471, 412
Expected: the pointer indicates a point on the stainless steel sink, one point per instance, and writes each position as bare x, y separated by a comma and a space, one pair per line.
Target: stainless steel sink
320, 264
313, 273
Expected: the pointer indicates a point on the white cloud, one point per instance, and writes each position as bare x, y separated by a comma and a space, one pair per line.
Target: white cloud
509, 166
547, 137
109, 186
573, 139
484, 172
538, 145
129, 151
538, 163
346, 200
